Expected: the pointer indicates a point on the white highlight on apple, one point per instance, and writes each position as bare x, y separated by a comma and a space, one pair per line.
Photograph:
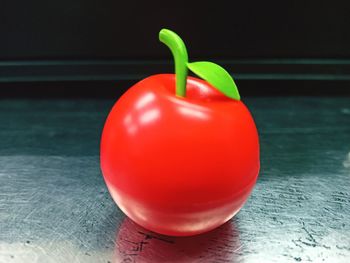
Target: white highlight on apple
131, 127
203, 88
145, 100
193, 112
149, 116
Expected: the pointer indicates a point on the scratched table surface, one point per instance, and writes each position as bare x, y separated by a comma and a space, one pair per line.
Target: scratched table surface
54, 205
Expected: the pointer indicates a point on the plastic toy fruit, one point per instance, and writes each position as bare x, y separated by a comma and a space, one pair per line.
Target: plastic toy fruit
180, 155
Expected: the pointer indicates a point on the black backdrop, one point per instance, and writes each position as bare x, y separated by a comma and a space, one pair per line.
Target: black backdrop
89, 40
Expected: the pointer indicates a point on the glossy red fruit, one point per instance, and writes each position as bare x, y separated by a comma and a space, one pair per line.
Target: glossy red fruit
179, 165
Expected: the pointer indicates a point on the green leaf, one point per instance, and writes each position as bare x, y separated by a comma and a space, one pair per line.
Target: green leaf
216, 76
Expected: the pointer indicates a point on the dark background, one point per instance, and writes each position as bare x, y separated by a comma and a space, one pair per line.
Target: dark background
270, 47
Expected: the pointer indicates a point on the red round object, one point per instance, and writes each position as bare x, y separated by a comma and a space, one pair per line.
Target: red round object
179, 165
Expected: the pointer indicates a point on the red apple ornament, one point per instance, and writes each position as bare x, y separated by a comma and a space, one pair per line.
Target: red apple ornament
180, 155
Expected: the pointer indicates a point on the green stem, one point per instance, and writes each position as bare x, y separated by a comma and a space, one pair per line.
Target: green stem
178, 49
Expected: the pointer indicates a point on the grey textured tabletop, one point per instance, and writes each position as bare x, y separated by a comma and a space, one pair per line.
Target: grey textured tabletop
55, 207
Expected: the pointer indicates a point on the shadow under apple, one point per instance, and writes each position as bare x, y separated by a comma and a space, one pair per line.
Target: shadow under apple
136, 244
